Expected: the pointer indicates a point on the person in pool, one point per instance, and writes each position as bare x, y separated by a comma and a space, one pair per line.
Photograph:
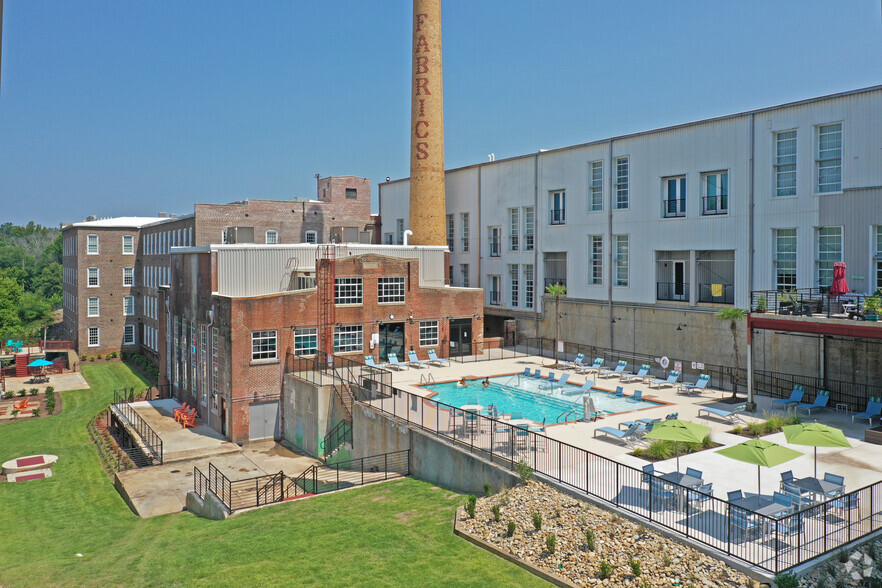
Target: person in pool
462, 382
486, 383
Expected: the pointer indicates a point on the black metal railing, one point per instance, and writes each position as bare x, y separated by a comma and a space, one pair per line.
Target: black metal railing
240, 494
557, 216
808, 302
671, 291
672, 208
778, 385
122, 405
340, 434
717, 293
712, 205
321, 478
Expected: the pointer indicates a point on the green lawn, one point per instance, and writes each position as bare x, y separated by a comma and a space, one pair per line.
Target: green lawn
398, 533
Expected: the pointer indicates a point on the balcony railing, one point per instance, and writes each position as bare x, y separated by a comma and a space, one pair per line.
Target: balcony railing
671, 291
672, 208
712, 205
716, 293
809, 302
557, 216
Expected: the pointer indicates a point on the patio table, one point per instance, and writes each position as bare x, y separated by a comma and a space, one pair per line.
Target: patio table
683, 480
762, 505
816, 486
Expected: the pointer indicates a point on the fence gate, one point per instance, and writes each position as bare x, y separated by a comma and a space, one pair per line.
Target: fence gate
263, 420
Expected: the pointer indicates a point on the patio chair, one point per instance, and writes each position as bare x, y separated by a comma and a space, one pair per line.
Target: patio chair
640, 375
796, 497
672, 379
188, 419
789, 526
620, 369
434, 359
784, 500
178, 410
594, 367
735, 495
729, 415
847, 502
548, 378
645, 423
820, 403
660, 495
575, 363
702, 496
21, 406
874, 409
694, 473
560, 382
620, 392
795, 396
414, 360
527, 373
537, 374
744, 523
629, 437
697, 387
393, 362
584, 388
540, 429
522, 437
638, 396
786, 478
649, 472
672, 416
369, 361
835, 479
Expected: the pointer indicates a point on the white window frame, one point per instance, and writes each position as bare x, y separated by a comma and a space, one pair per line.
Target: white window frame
311, 235
679, 192
306, 341
92, 248
785, 167
595, 186
514, 222
494, 241
348, 338
513, 285
829, 160
348, 291
494, 293
557, 207
464, 274
128, 276
595, 253
623, 175
399, 231
390, 290
94, 336
429, 333
621, 261
784, 261
451, 233
128, 306
131, 245
97, 306
271, 237
529, 228
129, 335
97, 276
264, 345
529, 285
823, 273
465, 232
721, 202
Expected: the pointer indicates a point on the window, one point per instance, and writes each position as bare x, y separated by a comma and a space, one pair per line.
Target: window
263, 345
428, 333
451, 235
529, 227
92, 244
494, 234
514, 223
93, 275
214, 369
389, 237
351, 192
128, 245
312, 237
621, 259
785, 163
674, 204
347, 291
464, 271
558, 208
348, 338
272, 237
464, 234
128, 276
128, 305
390, 290
622, 171
399, 231
830, 158
877, 256
513, 284
785, 259
129, 335
528, 285
94, 336
493, 293
595, 276
94, 306
715, 199
829, 251
595, 186
306, 341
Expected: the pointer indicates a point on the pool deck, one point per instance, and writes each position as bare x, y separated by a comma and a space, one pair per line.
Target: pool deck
861, 464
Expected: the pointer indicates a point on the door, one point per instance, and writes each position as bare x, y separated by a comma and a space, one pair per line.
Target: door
679, 280
460, 337
263, 420
223, 416
392, 341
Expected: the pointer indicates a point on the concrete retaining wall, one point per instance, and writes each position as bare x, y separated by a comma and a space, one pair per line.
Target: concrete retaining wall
309, 412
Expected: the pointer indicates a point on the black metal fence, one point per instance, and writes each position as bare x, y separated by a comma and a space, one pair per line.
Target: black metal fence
778, 385
671, 291
355, 472
808, 302
716, 293
340, 434
121, 405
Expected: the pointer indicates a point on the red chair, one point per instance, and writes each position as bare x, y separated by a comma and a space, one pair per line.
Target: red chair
177, 412
188, 419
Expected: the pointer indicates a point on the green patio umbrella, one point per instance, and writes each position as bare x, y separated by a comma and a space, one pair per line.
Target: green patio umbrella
761, 453
815, 435
677, 430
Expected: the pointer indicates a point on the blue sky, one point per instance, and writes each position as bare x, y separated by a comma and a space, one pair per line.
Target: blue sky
129, 108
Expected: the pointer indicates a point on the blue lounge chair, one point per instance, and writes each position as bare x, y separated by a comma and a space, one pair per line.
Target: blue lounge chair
549, 377
820, 403
560, 382
584, 388
540, 429
620, 369
620, 392
369, 361
644, 423
638, 396
795, 396
629, 437
575, 363
537, 374
697, 387
672, 379
729, 415
527, 373
393, 362
434, 359
416, 361
594, 367
641, 374
874, 409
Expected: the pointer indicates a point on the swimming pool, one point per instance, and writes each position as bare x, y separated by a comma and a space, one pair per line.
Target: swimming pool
519, 394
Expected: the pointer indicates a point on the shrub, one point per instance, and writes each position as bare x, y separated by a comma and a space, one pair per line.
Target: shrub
737, 430
667, 560
511, 529
33, 391
109, 356
638, 452
524, 471
537, 520
843, 556
112, 355
35, 412
471, 500
91, 358
659, 450
22, 392
605, 570
707, 442
14, 412
787, 580
83, 358
793, 420
8, 394
495, 510
50, 390
488, 491
756, 429
589, 540
551, 543
635, 565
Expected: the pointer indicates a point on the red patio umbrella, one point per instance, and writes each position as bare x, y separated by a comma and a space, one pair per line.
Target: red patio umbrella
839, 285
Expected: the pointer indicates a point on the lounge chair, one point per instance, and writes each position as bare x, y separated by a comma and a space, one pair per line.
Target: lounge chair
594, 367
697, 387
874, 409
820, 403
638, 396
552, 384
540, 429
584, 388
575, 363
672, 379
795, 396
549, 377
640, 375
434, 359
620, 369
729, 415
620, 392
644, 423
416, 361
630, 436
537, 374
393, 362
527, 373
369, 361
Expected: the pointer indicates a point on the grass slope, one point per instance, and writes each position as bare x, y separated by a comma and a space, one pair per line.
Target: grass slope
397, 533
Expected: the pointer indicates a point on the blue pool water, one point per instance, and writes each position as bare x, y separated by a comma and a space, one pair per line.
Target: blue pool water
519, 394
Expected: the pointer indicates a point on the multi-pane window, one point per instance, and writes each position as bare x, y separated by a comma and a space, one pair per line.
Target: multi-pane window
451, 235
529, 227
129, 335
877, 255
528, 285
203, 361
464, 231
94, 336
92, 244
311, 237
785, 163
263, 345
128, 305
493, 293
830, 158
347, 291
829, 251
272, 237
595, 276
348, 338
214, 369
494, 235
128, 245
716, 193
513, 284
94, 306
674, 204
558, 208
399, 231
595, 186
621, 259
514, 224
390, 289
128, 276
352, 192
428, 333
622, 173
785, 259
306, 341
93, 277
464, 272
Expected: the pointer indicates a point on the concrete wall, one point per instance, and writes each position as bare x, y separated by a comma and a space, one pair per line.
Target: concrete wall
309, 412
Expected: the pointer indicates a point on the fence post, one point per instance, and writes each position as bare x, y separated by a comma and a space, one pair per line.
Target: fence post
257, 490
728, 528
386, 466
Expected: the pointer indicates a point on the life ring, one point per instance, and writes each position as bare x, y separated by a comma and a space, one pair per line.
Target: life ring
664, 362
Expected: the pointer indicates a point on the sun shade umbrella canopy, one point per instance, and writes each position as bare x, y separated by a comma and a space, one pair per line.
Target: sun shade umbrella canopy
839, 285
760, 453
815, 435
40, 363
677, 430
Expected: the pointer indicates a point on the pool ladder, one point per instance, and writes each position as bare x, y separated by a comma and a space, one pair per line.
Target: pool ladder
427, 378
567, 414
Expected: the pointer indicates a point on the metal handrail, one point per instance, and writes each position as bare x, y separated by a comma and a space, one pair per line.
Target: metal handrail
149, 437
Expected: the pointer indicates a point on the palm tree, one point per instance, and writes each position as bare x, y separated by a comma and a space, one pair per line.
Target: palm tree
733, 315
556, 290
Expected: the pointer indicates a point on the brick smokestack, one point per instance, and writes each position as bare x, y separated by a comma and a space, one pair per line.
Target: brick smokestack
427, 200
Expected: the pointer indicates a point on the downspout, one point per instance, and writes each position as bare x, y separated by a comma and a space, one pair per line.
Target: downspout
609, 255
478, 232
750, 205
536, 298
